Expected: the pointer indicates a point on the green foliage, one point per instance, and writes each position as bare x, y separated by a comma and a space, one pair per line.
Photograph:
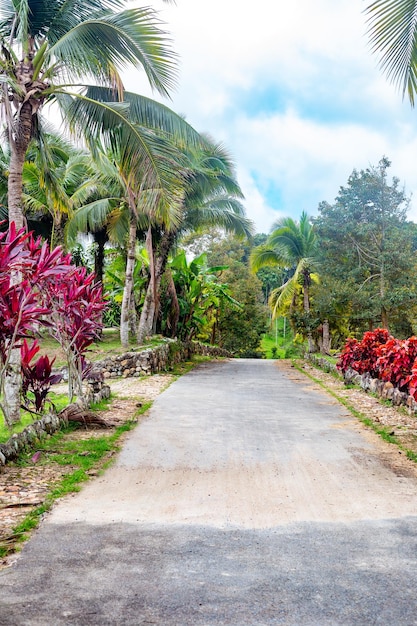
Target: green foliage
392, 31
368, 268
197, 295
239, 331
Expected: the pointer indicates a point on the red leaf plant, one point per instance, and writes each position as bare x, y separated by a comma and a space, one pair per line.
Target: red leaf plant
39, 286
75, 305
396, 360
362, 356
38, 377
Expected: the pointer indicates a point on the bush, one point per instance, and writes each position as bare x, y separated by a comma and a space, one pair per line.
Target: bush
362, 356
384, 357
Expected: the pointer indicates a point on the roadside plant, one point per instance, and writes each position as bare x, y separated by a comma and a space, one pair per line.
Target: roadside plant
396, 360
21, 310
50, 292
75, 308
362, 356
37, 377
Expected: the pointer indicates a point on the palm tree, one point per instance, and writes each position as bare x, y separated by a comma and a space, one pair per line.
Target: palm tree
211, 197
291, 245
121, 212
392, 28
49, 49
56, 179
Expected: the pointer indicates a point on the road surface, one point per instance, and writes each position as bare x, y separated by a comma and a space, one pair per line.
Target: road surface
247, 497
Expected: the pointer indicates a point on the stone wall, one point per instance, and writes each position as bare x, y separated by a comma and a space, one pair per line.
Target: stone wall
154, 360
380, 388
31, 435
140, 363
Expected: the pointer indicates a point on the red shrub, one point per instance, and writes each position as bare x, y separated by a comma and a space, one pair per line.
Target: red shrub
362, 355
395, 362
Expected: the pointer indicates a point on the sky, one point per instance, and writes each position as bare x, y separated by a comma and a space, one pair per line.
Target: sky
294, 93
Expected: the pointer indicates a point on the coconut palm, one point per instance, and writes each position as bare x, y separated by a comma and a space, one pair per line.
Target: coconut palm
211, 197
291, 245
49, 49
392, 28
120, 212
57, 178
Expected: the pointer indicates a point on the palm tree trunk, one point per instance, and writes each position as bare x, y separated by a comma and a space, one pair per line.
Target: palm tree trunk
18, 147
174, 314
100, 239
128, 288
150, 306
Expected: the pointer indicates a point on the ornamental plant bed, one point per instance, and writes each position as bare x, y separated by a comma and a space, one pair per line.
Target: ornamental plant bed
384, 357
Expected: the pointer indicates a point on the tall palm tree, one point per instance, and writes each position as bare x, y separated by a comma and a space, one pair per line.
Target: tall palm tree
291, 245
122, 211
211, 197
392, 28
48, 50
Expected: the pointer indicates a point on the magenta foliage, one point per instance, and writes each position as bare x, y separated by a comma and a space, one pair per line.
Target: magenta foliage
20, 309
39, 286
77, 303
37, 377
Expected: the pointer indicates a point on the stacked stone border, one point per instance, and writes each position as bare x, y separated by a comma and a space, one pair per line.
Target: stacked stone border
137, 363
380, 388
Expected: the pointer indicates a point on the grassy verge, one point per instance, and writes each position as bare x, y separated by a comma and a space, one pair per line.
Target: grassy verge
82, 457
59, 401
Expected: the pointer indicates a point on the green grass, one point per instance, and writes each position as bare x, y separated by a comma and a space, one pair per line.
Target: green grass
278, 347
59, 401
108, 344
82, 456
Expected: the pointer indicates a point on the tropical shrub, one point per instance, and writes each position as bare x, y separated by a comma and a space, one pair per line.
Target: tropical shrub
362, 356
75, 309
384, 357
396, 360
37, 378
26, 267
41, 287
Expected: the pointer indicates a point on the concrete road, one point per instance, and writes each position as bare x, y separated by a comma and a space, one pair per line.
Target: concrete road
248, 497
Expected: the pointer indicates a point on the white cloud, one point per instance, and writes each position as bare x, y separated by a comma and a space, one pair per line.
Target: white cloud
334, 111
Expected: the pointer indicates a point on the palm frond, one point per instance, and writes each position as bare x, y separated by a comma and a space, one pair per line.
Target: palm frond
100, 47
90, 217
152, 115
224, 212
392, 29
281, 297
264, 256
149, 161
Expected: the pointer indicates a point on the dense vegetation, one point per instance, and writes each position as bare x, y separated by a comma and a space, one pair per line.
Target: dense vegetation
151, 209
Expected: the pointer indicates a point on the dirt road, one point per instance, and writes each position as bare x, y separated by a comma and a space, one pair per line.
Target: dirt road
246, 497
